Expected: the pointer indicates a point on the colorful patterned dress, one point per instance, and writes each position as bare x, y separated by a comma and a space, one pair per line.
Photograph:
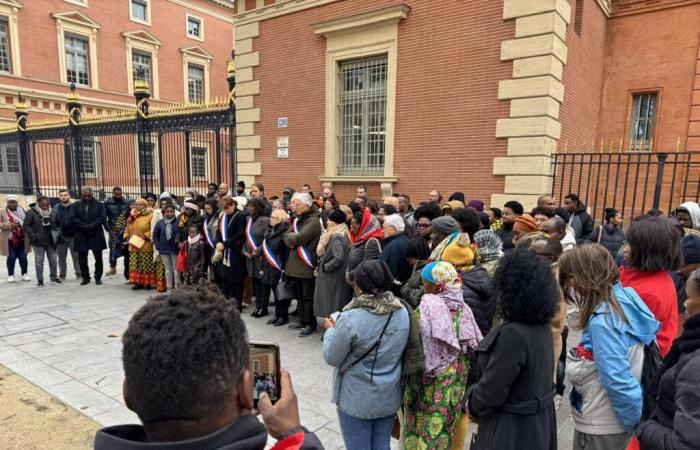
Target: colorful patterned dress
142, 268
431, 421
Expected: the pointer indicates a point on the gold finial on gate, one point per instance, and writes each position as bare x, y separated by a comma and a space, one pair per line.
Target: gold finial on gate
678, 144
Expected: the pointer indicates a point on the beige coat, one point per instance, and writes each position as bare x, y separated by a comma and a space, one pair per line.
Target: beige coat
5, 235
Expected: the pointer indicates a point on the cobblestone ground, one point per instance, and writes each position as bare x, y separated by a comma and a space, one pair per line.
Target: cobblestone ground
67, 340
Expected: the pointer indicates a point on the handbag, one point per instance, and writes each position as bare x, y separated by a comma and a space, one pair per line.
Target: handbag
181, 261
285, 290
137, 241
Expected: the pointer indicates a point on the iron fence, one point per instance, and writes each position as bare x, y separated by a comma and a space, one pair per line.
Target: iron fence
141, 150
631, 182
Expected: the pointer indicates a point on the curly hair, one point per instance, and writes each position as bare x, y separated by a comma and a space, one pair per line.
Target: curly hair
429, 210
525, 287
468, 220
183, 355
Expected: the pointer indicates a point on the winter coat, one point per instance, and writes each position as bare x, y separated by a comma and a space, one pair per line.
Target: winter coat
89, 219
140, 226
675, 421
477, 290
394, 255
370, 389
273, 238
244, 433
607, 396
506, 235
309, 233
332, 291
187, 222
412, 291
161, 242
235, 271
38, 234
659, 293
259, 228
513, 398
5, 226
67, 228
363, 251
114, 209
613, 238
581, 222
195, 267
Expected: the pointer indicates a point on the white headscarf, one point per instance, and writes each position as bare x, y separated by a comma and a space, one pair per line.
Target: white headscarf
694, 210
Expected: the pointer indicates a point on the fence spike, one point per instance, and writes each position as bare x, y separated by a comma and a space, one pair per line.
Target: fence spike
566, 145
602, 143
678, 144
651, 145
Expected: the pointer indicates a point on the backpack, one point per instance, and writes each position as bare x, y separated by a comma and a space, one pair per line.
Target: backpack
650, 371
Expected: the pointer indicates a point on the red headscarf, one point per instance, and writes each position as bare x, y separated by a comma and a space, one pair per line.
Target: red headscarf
369, 228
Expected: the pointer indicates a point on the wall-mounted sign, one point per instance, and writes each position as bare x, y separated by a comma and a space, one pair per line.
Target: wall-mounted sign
282, 153
282, 122
282, 141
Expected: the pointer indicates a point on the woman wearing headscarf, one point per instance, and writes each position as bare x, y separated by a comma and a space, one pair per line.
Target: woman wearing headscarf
417, 253
275, 260
332, 292
365, 344
490, 249
13, 240
256, 226
513, 398
524, 225
142, 270
230, 240
365, 233
120, 246
450, 334
209, 229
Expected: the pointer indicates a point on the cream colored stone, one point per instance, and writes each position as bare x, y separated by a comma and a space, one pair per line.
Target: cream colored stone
249, 168
247, 179
538, 66
243, 75
536, 106
531, 146
387, 14
248, 115
245, 129
547, 44
520, 8
522, 165
248, 88
249, 30
245, 155
248, 142
387, 189
528, 184
528, 201
244, 102
531, 87
243, 46
248, 60
528, 126
540, 24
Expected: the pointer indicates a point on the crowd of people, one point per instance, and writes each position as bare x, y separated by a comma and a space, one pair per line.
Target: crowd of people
434, 316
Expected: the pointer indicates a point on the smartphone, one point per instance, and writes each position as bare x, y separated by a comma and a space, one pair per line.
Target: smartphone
265, 366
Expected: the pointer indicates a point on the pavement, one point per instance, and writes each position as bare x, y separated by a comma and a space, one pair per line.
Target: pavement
66, 340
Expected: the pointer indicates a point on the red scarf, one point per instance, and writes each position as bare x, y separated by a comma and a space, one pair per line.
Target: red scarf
369, 228
16, 233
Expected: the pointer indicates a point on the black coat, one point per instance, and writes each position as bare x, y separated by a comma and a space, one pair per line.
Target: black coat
235, 271
613, 238
582, 223
514, 365
363, 251
394, 255
89, 219
38, 234
477, 290
114, 209
67, 227
506, 235
273, 237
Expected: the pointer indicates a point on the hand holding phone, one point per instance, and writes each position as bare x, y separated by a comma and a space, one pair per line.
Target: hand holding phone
284, 415
265, 365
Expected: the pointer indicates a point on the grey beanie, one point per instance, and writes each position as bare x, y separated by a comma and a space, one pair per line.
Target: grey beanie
445, 224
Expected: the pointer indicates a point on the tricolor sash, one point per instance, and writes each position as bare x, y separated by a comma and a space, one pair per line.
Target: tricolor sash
271, 258
303, 252
249, 235
223, 230
207, 234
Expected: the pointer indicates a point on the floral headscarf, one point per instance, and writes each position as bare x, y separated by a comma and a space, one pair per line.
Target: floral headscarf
443, 275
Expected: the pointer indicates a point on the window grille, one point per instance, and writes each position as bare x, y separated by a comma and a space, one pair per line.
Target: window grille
195, 84
642, 123
363, 116
77, 60
141, 66
198, 157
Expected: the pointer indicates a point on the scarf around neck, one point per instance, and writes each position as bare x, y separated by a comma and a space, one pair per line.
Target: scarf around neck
369, 228
43, 213
327, 235
193, 240
17, 233
379, 304
169, 227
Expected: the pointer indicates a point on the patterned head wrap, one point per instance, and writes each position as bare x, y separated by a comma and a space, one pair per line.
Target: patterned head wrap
369, 228
443, 275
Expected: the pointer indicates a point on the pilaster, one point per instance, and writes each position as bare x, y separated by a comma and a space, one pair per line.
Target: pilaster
247, 115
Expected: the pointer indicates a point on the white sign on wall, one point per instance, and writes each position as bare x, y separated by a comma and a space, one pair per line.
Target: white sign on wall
282, 153
283, 141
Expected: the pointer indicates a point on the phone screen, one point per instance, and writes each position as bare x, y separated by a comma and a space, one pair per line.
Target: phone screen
265, 366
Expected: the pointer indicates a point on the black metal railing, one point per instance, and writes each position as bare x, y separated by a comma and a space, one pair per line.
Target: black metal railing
632, 182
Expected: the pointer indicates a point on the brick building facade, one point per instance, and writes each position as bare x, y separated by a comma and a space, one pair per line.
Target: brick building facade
408, 96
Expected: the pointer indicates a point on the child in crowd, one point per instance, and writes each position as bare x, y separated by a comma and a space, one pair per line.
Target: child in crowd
165, 239
196, 267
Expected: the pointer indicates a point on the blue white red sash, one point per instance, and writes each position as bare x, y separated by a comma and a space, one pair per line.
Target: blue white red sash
302, 251
207, 234
223, 230
270, 256
249, 235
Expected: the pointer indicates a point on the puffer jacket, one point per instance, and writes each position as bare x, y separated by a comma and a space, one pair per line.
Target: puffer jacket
607, 397
477, 290
581, 222
613, 238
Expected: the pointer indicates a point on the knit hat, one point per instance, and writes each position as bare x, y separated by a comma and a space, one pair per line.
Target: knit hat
459, 253
165, 196
453, 204
337, 216
490, 245
445, 224
476, 204
525, 223
9, 198
191, 205
691, 249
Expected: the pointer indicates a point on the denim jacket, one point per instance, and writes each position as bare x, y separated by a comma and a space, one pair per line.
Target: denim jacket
355, 332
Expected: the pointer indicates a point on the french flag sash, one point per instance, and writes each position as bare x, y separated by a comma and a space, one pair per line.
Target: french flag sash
249, 235
302, 251
271, 258
223, 230
207, 234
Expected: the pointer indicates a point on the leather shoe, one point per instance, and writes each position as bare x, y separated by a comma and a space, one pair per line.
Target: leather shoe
306, 332
281, 322
84, 282
98, 282
273, 321
255, 314
136, 287
296, 326
294, 313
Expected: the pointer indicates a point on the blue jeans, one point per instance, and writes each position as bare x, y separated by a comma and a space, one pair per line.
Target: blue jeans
15, 254
366, 434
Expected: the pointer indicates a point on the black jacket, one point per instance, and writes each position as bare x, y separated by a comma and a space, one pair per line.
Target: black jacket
67, 227
477, 290
581, 222
514, 365
273, 238
613, 238
89, 219
114, 209
675, 422
506, 235
394, 255
246, 433
38, 234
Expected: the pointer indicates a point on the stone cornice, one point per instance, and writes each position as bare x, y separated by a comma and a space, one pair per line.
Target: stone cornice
278, 9
381, 15
629, 7
606, 6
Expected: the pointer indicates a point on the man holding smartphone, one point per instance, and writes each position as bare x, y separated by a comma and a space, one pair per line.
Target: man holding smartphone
188, 378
